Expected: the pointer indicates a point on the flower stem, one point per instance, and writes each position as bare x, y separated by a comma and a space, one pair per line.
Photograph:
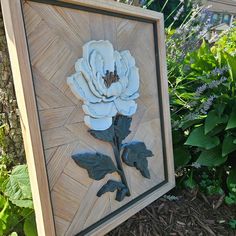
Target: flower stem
116, 150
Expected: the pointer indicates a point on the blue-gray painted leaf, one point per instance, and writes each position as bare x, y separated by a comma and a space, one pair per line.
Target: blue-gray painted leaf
110, 186
122, 125
97, 164
121, 194
104, 135
135, 154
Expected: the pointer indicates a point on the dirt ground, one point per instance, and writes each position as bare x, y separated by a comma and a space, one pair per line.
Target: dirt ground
188, 213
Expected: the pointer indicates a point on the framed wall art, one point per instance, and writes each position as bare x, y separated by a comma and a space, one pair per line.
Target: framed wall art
91, 85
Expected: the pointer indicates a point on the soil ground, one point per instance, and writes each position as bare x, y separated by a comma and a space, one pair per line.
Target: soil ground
191, 213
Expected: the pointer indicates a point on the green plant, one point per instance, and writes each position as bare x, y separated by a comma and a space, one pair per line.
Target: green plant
16, 206
232, 224
203, 107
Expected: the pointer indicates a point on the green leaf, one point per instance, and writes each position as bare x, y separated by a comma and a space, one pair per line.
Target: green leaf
97, 164
228, 145
181, 156
23, 203
218, 129
232, 65
111, 186
232, 224
197, 138
30, 226
17, 187
231, 181
190, 123
232, 119
135, 154
190, 183
104, 135
213, 119
122, 126
231, 199
211, 157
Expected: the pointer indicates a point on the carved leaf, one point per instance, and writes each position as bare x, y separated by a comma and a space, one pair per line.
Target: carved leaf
122, 125
135, 154
97, 164
104, 135
110, 186
121, 194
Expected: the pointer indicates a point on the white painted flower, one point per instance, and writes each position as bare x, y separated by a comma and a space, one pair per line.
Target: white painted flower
107, 81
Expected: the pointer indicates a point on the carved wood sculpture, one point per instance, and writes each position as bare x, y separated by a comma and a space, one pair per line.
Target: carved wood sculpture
87, 183
108, 82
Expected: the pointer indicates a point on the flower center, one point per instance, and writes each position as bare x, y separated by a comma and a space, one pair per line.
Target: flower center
110, 77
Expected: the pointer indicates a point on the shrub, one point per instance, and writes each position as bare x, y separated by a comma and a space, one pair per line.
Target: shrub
203, 106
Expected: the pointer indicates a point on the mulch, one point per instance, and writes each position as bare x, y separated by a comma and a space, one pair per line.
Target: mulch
189, 213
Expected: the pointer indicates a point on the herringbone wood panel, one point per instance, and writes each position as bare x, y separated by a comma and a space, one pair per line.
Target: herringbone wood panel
55, 37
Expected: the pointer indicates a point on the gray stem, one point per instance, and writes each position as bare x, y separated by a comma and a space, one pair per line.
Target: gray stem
116, 150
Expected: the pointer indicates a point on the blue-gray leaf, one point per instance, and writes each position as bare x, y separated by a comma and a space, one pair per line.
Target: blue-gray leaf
104, 135
97, 164
110, 186
135, 154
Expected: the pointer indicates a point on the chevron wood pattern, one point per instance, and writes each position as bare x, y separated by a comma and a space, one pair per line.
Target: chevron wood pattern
55, 39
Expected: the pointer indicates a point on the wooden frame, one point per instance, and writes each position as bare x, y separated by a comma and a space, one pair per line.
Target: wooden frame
23, 80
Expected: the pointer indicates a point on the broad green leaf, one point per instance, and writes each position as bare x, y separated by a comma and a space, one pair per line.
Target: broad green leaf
30, 226
110, 186
213, 119
181, 156
23, 203
228, 145
98, 165
232, 119
104, 135
197, 138
135, 154
190, 123
17, 187
231, 180
211, 157
218, 129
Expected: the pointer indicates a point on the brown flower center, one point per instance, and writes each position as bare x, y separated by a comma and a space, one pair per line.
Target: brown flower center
110, 77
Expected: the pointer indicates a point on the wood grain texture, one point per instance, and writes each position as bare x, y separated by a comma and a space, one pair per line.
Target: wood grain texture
55, 38
28, 113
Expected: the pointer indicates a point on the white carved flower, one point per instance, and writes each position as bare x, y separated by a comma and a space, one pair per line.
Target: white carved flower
107, 81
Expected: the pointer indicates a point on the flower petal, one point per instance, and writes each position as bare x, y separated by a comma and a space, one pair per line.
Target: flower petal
133, 83
98, 124
126, 108
132, 97
80, 88
82, 66
126, 56
114, 90
100, 110
96, 63
105, 49
121, 65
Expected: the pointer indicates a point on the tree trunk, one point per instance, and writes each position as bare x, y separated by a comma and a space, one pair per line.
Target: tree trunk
11, 143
